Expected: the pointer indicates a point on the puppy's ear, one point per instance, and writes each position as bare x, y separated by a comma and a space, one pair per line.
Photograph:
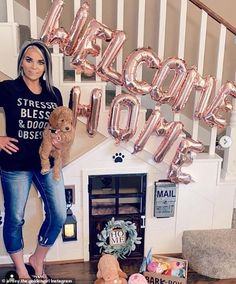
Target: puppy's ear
54, 116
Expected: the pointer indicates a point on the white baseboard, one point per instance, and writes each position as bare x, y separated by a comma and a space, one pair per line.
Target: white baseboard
5, 259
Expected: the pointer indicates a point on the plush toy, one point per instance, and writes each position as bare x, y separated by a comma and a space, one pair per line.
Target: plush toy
57, 139
109, 271
178, 269
137, 278
152, 266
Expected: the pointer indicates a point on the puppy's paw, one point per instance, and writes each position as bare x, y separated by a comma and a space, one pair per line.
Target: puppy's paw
45, 171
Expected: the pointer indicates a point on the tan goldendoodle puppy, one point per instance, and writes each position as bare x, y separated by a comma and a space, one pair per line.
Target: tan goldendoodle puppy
58, 137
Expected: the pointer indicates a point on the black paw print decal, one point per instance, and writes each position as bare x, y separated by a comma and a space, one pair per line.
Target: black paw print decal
118, 158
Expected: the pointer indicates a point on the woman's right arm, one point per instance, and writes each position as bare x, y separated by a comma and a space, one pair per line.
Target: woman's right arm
7, 145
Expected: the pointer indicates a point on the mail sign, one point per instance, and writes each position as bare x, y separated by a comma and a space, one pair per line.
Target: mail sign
164, 199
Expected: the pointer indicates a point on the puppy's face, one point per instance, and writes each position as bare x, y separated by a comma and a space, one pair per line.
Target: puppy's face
61, 118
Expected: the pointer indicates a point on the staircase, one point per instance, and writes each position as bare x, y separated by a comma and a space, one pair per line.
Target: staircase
172, 35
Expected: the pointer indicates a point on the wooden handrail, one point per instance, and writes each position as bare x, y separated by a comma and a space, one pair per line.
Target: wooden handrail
214, 15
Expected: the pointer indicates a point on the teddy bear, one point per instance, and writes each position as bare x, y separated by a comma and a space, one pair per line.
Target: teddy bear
58, 137
109, 271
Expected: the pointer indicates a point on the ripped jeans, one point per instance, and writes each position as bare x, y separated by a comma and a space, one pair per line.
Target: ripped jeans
16, 186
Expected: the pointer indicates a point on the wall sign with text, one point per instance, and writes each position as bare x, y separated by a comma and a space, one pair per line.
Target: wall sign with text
164, 199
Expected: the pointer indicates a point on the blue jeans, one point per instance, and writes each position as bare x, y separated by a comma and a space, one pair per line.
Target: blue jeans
16, 186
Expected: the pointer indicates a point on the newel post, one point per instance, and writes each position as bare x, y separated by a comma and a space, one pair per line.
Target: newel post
229, 162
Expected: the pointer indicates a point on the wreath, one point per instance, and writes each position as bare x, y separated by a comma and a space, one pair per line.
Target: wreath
123, 249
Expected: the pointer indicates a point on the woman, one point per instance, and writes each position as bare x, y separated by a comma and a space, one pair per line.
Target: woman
27, 102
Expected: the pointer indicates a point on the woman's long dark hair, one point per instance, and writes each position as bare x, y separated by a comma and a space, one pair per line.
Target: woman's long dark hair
47, 59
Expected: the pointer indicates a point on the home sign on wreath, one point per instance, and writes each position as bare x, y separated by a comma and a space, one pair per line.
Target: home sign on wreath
119, 238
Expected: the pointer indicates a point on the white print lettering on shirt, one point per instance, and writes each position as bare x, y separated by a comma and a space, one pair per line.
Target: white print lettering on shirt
33, 118
35, 104
34, 113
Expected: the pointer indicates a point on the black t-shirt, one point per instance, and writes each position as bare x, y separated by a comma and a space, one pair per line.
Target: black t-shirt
26, 116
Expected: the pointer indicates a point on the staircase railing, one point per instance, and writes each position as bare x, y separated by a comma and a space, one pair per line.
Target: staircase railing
229, 167
140, 13
214, 16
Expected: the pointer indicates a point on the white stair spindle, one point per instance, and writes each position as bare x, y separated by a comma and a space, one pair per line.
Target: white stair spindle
10, 11
56, 46
99, 41
229, 162
162, 29
120, 26
182, 32
33, 19
221, 53
182, 28
141, 22
201, 55
140, 37
77, 4
219, 72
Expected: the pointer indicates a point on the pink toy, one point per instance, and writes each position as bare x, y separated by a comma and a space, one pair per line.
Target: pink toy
152, 266
137, 278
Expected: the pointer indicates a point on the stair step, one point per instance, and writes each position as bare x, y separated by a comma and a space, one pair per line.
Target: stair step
3, 77
83, 142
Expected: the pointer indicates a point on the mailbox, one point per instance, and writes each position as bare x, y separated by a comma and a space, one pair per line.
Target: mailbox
164, 199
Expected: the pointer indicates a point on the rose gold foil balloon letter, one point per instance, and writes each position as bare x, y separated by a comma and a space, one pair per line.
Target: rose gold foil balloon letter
205, 87
51, 21
170, 131
87, 46
149, 128
91, 111
183, 157
132, 62
219, 104
170, 65
122, 103
93, 118
104, 68
74, 102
